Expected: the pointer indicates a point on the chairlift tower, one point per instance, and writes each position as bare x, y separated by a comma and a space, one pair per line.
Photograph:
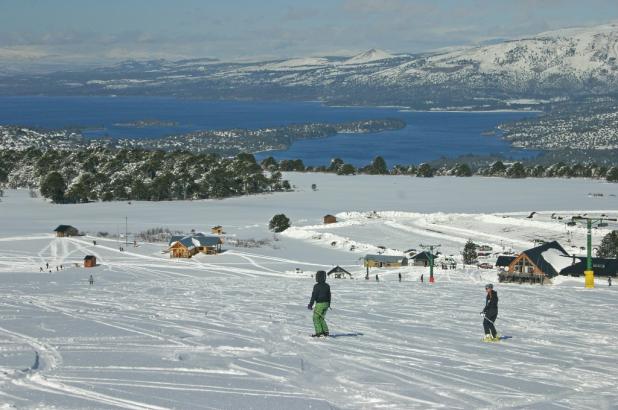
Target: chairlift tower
589, 273
430, 248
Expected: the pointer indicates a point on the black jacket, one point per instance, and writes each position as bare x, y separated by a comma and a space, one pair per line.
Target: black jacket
321, 290
491, 303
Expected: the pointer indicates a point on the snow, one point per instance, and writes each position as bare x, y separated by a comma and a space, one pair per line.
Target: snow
231, 330
557, 259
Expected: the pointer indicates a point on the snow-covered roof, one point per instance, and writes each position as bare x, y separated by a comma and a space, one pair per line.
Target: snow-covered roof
557, 259
196, 240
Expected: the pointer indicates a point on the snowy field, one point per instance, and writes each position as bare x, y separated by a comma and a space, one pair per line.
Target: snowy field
232, 331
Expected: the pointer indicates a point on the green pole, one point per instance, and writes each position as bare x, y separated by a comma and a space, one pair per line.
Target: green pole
431, 264
589, 246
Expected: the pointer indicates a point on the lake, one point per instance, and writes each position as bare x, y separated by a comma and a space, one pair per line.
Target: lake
428, 136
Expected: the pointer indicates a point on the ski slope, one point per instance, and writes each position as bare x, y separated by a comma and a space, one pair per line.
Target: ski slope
231, 330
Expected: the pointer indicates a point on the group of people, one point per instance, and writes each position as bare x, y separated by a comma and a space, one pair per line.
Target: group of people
47, 268
321, 300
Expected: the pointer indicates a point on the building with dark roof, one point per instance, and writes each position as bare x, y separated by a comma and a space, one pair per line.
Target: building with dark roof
90, 261
66, 230
600, 267
339, 273
422, 259
504, 261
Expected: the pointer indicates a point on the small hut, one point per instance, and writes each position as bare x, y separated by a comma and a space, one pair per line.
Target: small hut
422, 259
90, 261
339, 273
330, 219
66, 230
217, 230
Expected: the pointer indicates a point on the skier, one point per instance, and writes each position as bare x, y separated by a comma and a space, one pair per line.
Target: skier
377, 278
321, 298
609, 281
91, 280
399, 276
421, 278
491, 313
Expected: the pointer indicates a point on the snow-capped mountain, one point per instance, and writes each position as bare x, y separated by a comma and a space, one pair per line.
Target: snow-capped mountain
368, 57
557, 64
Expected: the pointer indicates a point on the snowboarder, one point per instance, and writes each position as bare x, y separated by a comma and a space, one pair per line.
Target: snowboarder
321, 298
91, 280
421, 278
609, 281
399, 276
490, 313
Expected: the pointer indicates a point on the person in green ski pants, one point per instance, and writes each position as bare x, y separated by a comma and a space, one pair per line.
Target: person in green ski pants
321, 298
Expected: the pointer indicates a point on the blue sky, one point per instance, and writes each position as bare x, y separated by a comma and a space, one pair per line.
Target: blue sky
109, 30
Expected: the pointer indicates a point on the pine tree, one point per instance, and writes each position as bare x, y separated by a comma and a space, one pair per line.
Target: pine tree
378, 166
469, 253
54, 187
612, 174
609, 246
279, 223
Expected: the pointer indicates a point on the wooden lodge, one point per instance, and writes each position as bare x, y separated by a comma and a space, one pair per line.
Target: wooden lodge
217, 230
66, 230
330, 219
189, 245
339, 273
423, 259
536, 265
90, 261
384, 261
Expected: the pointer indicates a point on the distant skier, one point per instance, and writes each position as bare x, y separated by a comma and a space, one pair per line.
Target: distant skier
609, 281
94, 243
321, 297
490, 312
46, 265
91, 280
399, 276
41, 269
421, 278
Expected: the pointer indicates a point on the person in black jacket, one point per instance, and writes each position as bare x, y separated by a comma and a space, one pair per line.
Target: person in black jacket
491, 313
321, 298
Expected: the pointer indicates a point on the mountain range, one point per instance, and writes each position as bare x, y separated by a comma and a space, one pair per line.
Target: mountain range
527, 72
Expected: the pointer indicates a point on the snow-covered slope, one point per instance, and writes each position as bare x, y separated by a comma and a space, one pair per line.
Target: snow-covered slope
232, 330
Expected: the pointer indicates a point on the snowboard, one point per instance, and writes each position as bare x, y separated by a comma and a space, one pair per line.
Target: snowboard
500, 338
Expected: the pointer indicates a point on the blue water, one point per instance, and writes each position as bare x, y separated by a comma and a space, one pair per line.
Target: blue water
428, 136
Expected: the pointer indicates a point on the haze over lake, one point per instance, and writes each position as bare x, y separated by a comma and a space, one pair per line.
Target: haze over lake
428, 135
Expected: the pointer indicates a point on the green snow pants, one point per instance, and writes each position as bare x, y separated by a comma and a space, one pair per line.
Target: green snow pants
318, 318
